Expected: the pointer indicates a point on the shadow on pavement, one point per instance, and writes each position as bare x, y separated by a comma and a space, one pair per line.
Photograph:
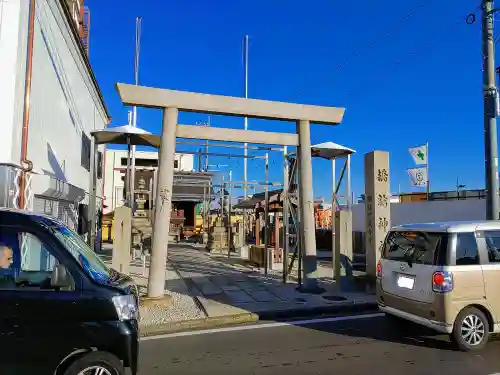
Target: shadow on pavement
384, 329
229, 281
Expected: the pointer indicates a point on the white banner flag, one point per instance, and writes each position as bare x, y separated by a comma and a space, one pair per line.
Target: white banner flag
419, 154
418, 176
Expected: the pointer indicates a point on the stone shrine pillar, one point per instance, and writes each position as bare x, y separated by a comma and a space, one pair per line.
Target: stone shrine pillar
122, 228
377, 207
342, 258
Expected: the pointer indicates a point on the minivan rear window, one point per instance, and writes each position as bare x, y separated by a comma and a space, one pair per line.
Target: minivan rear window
416, 247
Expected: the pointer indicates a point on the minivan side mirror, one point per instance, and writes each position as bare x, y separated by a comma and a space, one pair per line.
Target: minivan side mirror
61, 277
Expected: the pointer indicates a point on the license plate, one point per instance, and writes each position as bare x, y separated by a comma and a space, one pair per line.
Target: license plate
405, 282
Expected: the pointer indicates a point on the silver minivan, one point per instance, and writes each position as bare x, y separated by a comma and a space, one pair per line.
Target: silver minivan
445, 276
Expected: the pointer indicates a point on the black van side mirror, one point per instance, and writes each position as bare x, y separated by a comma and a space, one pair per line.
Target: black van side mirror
61, 278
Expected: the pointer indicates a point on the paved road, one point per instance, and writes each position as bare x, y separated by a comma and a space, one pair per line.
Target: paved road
354, 346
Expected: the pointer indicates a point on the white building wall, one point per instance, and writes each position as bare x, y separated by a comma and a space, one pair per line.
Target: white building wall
13, 14
113, 183
64, 103
424, 212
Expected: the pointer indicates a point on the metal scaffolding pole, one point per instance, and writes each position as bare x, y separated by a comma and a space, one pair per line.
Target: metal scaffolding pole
128, 180
299, 228
348, 185
210, 198
336, 263
204, 208
266, 220
229, 213
230, 145
286, 220
219, 154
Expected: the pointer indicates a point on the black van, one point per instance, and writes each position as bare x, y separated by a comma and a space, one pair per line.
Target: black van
62, 311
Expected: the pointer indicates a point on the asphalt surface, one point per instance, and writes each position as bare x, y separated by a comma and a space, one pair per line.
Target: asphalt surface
360, 346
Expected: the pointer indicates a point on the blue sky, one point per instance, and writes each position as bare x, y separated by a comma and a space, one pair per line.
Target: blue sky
420, 82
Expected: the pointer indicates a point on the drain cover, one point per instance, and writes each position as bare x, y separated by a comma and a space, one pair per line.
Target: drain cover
335, 298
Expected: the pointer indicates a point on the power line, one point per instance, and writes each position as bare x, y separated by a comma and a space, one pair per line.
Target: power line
382, 36
470, 19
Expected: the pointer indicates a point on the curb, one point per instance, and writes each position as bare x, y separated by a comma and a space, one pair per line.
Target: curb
198, 324
342, 308
248, 318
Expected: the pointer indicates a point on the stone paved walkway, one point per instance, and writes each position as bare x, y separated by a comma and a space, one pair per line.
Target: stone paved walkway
219, 284
205, 287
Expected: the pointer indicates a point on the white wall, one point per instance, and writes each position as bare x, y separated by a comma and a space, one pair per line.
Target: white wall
12, 64
64, 101
186, 162
423, 212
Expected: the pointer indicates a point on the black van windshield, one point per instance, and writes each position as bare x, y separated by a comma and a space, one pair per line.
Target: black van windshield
79, 249
416, 247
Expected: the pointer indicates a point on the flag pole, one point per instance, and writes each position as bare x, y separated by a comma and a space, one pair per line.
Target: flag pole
427, 168
138, 23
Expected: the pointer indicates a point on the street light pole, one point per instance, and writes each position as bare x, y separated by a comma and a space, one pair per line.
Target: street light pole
490, 125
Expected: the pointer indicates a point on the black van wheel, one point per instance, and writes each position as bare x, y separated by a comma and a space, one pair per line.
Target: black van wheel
471, 329
101, 363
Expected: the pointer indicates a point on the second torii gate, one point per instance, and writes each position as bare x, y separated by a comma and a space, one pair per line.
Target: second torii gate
174, 101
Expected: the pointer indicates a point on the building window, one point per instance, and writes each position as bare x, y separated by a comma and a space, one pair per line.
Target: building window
147, 162
141, 162
99, 165
85, 156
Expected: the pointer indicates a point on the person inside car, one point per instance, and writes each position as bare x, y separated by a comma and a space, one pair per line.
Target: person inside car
6, 256
6, 260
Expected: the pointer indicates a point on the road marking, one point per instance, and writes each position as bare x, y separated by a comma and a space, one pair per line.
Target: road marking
265, 325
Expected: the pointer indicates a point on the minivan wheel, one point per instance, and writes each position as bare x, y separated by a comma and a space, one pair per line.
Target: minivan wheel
96, 363
471, 329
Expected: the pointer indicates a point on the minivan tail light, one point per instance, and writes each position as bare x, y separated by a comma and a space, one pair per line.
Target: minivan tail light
379, 270
442, 281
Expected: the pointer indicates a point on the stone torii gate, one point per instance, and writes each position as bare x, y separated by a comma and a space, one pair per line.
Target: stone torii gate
171, 102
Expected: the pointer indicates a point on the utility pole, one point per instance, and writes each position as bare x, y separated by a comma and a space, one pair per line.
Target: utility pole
490, 124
